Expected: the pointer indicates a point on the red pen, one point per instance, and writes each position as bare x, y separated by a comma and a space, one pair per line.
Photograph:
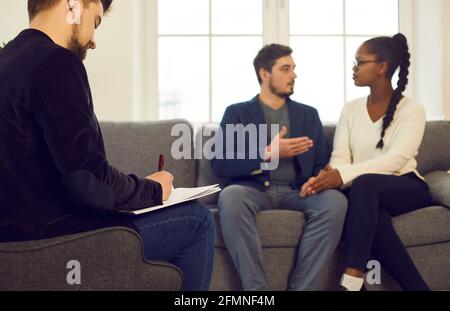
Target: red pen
161, 162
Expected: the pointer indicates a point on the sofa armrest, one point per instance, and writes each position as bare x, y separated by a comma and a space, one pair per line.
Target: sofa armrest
439, 183
109, 258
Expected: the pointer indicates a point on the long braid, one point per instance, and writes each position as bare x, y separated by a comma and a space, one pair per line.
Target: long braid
402, 59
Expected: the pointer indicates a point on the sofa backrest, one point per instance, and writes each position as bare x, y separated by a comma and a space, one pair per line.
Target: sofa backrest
434, 153
134, 147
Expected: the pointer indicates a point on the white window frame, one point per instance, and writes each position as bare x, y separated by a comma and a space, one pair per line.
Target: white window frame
275, 30
405, 26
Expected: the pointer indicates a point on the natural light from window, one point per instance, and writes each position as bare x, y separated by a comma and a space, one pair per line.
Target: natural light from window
206, 50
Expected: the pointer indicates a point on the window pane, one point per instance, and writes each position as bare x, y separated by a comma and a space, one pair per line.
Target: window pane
237, 16
353, 91
371, 17
316, 16
184, 78
183, 17
320, 82
234, 79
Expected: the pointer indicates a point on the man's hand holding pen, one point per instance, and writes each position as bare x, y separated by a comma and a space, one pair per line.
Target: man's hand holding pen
165, 179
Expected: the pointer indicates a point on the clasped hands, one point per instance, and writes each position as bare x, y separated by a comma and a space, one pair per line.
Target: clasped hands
328, 178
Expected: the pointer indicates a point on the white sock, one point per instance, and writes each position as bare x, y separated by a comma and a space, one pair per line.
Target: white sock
352, 283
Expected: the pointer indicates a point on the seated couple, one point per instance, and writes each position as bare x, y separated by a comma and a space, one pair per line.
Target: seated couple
372, 163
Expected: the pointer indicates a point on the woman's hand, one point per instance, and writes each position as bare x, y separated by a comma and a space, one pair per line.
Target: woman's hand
328, 178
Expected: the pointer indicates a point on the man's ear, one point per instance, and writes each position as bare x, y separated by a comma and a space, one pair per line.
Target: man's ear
73, 12
263, 74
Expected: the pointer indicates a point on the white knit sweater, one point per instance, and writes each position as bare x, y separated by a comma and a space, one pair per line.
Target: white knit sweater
356, 138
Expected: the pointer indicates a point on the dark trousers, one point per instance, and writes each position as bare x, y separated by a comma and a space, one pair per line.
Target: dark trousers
183, 235
373, 199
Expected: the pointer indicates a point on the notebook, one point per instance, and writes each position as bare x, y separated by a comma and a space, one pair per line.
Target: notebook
180, 195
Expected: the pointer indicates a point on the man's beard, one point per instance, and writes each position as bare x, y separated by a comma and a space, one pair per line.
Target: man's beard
75, 46
279, 93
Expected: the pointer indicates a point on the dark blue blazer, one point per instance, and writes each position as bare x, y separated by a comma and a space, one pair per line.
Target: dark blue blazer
304, 121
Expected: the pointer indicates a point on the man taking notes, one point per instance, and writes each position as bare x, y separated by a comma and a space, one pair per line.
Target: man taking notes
54, 176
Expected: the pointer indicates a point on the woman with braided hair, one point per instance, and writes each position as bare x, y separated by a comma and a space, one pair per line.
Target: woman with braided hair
373, 161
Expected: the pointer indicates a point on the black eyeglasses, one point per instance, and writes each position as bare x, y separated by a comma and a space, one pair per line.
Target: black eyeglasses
359, 63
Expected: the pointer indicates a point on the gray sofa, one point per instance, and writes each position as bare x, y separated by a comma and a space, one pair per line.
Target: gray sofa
112, 258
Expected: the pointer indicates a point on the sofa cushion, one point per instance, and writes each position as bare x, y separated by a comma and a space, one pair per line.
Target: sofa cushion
424, 226
276, 228
283, 228
134, 147
433, 152
205, 174
439, 183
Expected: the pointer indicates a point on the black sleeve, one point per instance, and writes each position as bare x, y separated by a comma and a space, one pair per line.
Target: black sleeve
63, 109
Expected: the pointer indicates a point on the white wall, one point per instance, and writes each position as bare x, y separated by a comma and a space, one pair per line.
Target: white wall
110, 67
446, 51
118, 69
428, 56
13, 18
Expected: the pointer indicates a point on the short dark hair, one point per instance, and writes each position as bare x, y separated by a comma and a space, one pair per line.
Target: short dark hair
36, 6
268, 56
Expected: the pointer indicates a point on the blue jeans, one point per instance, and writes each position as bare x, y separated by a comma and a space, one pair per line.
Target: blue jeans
184, 236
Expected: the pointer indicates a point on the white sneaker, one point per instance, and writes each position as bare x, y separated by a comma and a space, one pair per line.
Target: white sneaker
352, 283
